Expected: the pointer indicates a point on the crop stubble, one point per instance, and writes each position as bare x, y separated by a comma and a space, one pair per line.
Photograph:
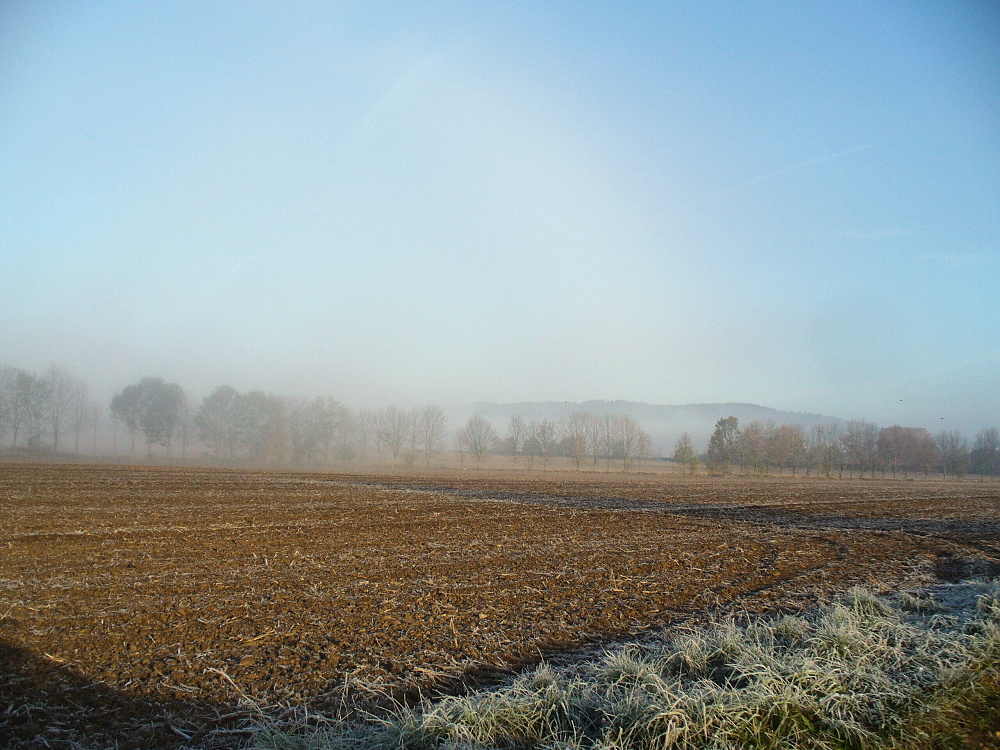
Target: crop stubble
176, 596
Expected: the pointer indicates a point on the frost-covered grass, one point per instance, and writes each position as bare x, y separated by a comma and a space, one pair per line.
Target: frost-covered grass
863, 672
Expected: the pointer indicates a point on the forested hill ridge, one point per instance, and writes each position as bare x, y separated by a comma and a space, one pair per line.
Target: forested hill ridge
664, 423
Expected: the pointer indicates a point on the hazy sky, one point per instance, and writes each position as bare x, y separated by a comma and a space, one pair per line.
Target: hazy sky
795, 204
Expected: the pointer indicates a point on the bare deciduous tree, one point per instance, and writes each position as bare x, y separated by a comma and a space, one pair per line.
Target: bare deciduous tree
461, 443
81, 412
324, 428
24, 407
608, 439
516, 434
752, 448
953, 453
38, 413
722, 446
545, 438
413, 439
575, 429
892, 447
151, 406
684, 453
185, 427
364, 433
433, 427
214, 420
825, 453
595, 434
923, 451
906, 449
643, 447
61, 388
7, 375
787, 447
985, 455
261, 424
393, 428
478, 437
860, 445
630, 436
95, 422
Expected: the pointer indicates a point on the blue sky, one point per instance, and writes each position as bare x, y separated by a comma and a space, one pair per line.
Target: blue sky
792, 204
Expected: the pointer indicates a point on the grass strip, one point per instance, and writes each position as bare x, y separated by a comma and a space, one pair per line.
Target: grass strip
863, 672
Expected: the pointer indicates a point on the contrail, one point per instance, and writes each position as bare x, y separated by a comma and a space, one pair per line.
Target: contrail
399, 83
786, 170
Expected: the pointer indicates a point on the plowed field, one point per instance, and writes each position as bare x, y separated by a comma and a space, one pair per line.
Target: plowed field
157, 607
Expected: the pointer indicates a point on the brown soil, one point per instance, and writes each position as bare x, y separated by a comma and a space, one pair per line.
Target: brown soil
158, 607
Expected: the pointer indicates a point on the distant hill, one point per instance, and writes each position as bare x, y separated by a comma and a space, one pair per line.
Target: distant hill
664, 423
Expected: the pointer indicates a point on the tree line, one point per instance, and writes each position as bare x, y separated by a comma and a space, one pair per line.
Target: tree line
585, 438
268, 430
53, 410
44, 410
857, 447
39, 411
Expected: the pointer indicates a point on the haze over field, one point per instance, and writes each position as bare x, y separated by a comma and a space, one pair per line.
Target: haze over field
786, 204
